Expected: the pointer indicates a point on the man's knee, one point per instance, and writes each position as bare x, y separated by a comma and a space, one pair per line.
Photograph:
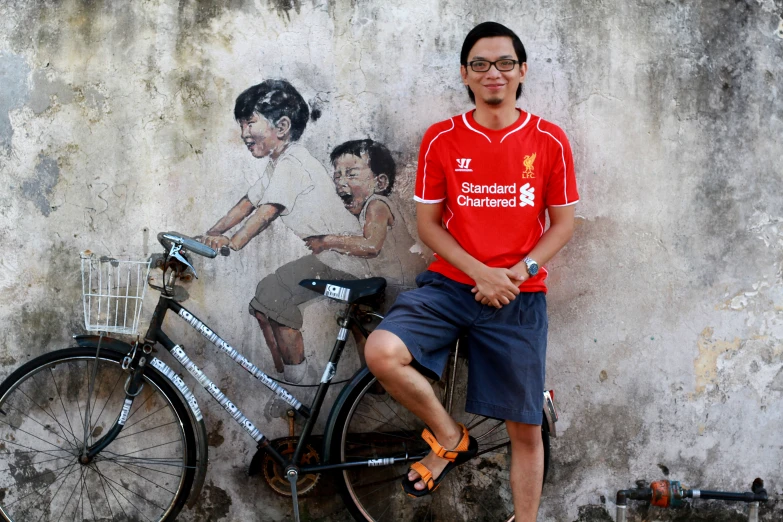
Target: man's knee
385, 351
525, 435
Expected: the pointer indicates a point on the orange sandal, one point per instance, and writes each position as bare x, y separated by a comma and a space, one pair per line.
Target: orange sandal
464, 451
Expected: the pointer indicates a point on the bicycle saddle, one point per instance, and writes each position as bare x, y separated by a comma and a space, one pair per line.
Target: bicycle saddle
349, 291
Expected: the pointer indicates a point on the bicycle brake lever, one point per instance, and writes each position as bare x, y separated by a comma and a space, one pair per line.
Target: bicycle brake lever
179, 257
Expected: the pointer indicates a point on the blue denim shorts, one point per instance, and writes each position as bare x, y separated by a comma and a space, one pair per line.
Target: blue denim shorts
506, 346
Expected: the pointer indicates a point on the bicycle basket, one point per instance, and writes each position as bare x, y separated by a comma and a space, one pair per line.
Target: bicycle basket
112, 293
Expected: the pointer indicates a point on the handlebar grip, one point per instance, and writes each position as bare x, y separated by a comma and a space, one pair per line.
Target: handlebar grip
167, 238
225, 251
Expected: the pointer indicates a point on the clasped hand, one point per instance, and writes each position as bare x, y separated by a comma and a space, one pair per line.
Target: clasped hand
497, 286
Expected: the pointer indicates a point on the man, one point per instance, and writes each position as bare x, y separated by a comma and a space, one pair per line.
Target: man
485, 180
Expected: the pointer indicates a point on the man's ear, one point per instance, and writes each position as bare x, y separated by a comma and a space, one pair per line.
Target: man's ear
381, 183
463, 71
283, 127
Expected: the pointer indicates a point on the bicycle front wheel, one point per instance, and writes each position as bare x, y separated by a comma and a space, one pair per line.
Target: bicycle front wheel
145, 474
372, 425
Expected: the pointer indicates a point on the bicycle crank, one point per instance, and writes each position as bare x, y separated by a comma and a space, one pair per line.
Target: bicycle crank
275, 475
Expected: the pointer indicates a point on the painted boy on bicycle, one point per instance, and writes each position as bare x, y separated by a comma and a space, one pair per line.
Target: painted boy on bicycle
485, 181
296, 189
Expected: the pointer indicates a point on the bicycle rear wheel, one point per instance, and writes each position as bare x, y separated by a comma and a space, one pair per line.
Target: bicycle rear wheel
144, 474
372, 425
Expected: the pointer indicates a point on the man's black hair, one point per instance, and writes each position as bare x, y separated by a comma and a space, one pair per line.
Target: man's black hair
380, 159
274, 99
488, 30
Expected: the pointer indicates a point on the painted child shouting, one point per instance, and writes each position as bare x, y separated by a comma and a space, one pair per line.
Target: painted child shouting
364, 173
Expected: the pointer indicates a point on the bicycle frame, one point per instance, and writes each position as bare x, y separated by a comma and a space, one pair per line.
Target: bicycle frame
155, 335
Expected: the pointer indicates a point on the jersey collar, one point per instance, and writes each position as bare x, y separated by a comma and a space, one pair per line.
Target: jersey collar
496, 136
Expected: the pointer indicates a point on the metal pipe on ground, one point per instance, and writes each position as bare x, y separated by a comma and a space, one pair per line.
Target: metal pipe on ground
666, 494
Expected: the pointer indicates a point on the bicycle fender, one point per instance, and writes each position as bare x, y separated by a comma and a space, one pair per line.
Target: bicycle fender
110, 343
202, 452
337, 406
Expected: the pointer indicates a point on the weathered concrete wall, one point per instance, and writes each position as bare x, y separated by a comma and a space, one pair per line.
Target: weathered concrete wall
666, 309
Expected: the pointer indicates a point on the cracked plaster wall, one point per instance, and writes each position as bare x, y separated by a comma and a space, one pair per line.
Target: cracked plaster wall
666, 336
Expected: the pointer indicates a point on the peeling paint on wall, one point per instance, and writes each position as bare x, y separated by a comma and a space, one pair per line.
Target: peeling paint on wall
705, 366
38, 189
13, 94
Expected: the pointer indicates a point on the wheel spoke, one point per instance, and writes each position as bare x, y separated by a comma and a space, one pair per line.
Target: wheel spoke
108, 397
67, 418
144, 431
144, 478
63, 430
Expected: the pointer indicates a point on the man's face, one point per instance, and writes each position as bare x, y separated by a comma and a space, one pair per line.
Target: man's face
259, 135
354, 181
493, 87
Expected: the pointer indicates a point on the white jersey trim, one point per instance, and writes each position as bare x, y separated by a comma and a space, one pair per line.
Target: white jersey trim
465, 119
424, 179
427, 201
446, 224
541, 223
562, 155
518, 128
566, 205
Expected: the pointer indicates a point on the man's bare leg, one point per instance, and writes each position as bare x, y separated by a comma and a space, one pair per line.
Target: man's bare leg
527, 469
390, 361
271, 341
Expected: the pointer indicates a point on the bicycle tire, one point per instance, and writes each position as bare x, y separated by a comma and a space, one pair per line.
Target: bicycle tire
369, 425
144, 474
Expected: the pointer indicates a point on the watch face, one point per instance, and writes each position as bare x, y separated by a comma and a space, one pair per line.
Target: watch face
532, 267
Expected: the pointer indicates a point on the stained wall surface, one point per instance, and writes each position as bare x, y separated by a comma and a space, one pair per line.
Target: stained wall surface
666, 309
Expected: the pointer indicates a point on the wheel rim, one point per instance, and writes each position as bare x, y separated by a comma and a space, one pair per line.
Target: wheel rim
137, 477
378, 427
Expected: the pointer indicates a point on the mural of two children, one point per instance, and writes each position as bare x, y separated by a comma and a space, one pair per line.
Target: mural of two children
347, 220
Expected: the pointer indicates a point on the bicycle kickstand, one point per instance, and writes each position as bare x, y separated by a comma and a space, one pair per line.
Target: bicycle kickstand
293, 476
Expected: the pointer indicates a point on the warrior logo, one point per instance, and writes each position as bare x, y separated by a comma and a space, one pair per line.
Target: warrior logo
463, 165
528, 161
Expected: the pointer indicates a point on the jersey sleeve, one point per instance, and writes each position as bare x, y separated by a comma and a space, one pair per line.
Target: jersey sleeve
561, 185
287, 182
430, 178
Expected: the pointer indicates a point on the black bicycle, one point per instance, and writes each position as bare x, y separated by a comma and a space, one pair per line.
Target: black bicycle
106, 430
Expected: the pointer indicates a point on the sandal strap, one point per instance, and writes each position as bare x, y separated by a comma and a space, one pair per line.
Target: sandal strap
425, 474
440, 451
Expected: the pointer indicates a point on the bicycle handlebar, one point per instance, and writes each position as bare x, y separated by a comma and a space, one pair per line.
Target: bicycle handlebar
168, 238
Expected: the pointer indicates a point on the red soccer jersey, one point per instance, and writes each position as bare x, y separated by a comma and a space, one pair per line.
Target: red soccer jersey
496, 186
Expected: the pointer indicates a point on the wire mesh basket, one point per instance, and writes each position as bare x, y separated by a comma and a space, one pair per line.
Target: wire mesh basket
113, 293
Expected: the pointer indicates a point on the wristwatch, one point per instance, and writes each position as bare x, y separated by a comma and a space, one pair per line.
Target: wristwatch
532, 266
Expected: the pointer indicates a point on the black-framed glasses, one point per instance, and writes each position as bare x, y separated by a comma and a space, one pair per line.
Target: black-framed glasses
503, 65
